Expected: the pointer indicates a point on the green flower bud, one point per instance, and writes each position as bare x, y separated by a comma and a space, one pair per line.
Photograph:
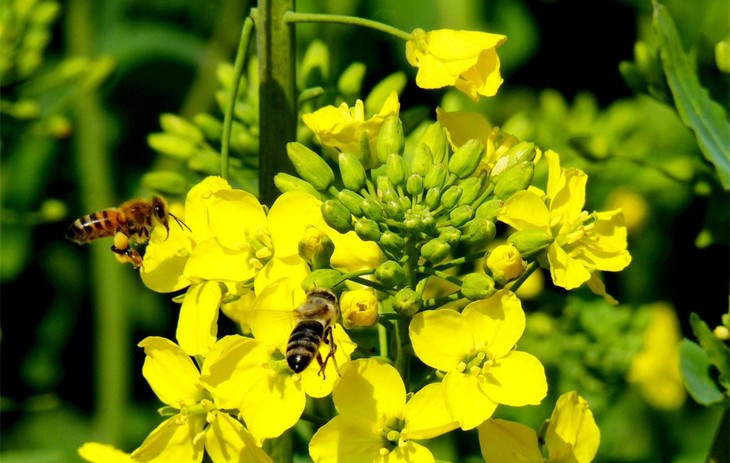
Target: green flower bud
435, 250
450, 235
321, 278
337, 216
405, 202
516, 178
395, 169
435, 177
450, 197
167, 182
384, 184
470, 188
350, 80
286, 182
392, 242
176, 125
351, 200
475, 286
461, 215
394, 210
504, 263
414, 185
310, 166
367, 230
369, 159
433, 197
373, 210
530, 242
242, 141
435, 138
479, 232
490, 209
390, 273
422, 160
466, 158
352, 171
211, 127
523, 151
172, 146
205, 161
390, 138
407, 302
316, 247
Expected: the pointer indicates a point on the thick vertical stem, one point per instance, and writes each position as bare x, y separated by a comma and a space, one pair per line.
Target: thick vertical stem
275, 41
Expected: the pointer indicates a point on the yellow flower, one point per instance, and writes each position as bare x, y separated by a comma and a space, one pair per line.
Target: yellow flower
102, 453
581, 242
475, 348
343, 127
200, 425
505, 263
656, 368
374, 421
359, 308
571, 436
465, 59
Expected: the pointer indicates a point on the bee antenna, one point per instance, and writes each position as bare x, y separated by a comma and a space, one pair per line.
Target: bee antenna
180, 223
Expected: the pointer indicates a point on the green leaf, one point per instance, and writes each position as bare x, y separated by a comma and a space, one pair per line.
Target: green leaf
702, 115
695, 368
717, 352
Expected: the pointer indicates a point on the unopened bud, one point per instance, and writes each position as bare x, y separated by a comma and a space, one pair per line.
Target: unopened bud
479, 232
392, 242
450, 197
367, 230
466, 158
422, 160
450, 235
351, 200
286, 182
490, 209
390, 273
435, 177
390, 138
435, 138
470, 188
516, 178
395, 169
433, 197
359, 308
523, 151
211, 127
530, 242
407, 302
310, 166
176, 125
321, 278
505, 263
414, 185
475, 286
352, 171
435, 250
337, 216
172, 146
461, 215
373, 210
316, 247
395, 210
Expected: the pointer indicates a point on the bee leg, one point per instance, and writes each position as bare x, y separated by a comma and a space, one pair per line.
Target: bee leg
128, 255
329, 339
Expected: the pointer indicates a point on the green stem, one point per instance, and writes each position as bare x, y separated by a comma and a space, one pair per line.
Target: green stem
372, 284
293, 17
238, 69
531, 267
459, 261
438, 273
439, 301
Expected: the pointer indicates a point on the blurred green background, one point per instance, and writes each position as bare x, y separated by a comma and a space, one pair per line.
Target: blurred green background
85, 83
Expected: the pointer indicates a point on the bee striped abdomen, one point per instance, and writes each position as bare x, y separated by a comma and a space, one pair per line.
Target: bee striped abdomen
303, 344
100, 224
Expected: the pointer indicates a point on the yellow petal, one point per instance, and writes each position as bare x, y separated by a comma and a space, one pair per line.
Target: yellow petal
351, 253
227, 441
351, 435
566, 271
314, 384
427, 415
235, 217
272, 404
441, 338
462, 126
227, 368
572, 432
170, 372
197, 325
497, 323
370, 389
197, 204
290, 215
525, 210
502, 440
165, 258
173, 440
103, 453
567, 202
409, 452
466, 401
211, 261
516, 379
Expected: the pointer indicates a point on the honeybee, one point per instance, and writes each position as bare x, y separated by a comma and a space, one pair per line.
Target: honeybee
129, 224
317, 316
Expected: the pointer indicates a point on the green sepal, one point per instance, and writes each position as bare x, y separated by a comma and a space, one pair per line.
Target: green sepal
337, 216
352, 171
475, 286
310, 166
466, 158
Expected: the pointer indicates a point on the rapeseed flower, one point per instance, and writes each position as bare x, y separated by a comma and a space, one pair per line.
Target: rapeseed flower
375, 422
467, 60
571, 436
475, 350
342, 127
580, 243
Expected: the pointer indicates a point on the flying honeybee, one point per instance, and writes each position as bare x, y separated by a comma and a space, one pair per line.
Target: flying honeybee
129, 224
317, 316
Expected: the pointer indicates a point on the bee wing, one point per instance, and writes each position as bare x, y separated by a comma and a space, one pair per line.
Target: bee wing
273, 326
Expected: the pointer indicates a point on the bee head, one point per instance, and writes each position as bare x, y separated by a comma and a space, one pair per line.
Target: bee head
159, 209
